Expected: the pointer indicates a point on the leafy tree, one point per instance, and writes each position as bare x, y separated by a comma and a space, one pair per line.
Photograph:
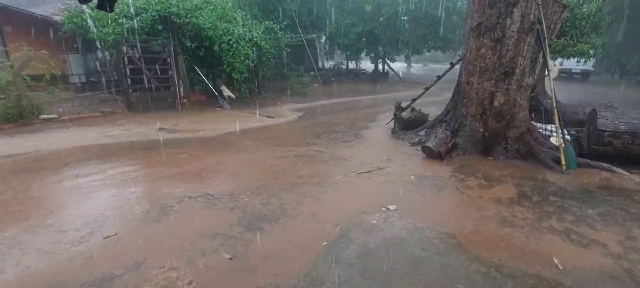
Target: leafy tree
215, 34
390, 28
432, 26
488, 110
621, 37
580, 35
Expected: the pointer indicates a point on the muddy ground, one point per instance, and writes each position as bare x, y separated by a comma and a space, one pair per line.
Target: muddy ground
152, 212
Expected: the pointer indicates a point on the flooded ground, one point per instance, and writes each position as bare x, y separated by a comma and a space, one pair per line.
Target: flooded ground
152, 212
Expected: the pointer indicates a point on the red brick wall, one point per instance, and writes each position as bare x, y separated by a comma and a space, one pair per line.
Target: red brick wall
17, 29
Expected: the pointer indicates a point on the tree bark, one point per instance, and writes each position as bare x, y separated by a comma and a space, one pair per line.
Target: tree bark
488, 112
346, 60
612, 134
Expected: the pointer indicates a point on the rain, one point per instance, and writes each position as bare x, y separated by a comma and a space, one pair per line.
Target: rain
385, 143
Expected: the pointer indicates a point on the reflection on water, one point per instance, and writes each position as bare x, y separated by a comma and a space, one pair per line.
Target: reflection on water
77, 206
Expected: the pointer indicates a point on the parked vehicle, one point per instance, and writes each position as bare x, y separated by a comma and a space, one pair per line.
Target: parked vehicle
572, 67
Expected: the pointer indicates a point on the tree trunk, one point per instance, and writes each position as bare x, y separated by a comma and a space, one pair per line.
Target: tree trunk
375, 65
346, 60
488, 112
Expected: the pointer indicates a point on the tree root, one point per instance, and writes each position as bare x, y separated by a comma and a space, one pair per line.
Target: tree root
540, 149
585, 163
550, 158
545, 156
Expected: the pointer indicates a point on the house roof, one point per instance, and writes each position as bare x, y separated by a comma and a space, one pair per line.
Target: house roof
26, 12
55, 11
52, 12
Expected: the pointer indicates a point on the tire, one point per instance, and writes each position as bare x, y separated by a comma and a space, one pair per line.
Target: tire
585, 77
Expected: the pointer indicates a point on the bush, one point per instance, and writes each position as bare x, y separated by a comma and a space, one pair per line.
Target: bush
298, 84
14, 105
14, 110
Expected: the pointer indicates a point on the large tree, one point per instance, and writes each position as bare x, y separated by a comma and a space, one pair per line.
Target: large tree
488, 112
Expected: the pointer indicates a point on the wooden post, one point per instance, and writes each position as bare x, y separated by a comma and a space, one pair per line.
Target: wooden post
172, 66
182, 67
346, 57
124, 84
391, 68
85, 63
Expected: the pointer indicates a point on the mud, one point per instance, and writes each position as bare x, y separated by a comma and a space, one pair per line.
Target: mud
271, 195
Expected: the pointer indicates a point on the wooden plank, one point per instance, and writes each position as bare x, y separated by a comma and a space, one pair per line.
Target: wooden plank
148, 67
152, 76
161, 85
147, 56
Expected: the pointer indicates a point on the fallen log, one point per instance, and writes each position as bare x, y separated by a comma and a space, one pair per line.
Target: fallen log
424, 91
410, 120
612, 133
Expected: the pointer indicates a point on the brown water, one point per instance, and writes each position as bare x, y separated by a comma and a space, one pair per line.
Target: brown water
271, 196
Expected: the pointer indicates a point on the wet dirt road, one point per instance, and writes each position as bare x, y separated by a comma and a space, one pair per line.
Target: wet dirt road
165, 214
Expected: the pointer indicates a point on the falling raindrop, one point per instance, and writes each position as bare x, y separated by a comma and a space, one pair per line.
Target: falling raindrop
98, 46
161, 141
443, 4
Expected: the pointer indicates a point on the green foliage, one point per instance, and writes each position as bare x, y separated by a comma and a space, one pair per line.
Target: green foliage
298, 83
13, 109
390, 28
216, 35
581, 31
374, 27
14, 106
621, 37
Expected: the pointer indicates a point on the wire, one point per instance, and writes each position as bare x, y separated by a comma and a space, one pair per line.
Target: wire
305, 45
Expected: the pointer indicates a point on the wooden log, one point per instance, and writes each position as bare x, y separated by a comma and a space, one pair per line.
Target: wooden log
410, 120
612, 133
438, 144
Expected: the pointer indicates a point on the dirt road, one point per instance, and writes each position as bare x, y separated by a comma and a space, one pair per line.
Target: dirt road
170, 212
